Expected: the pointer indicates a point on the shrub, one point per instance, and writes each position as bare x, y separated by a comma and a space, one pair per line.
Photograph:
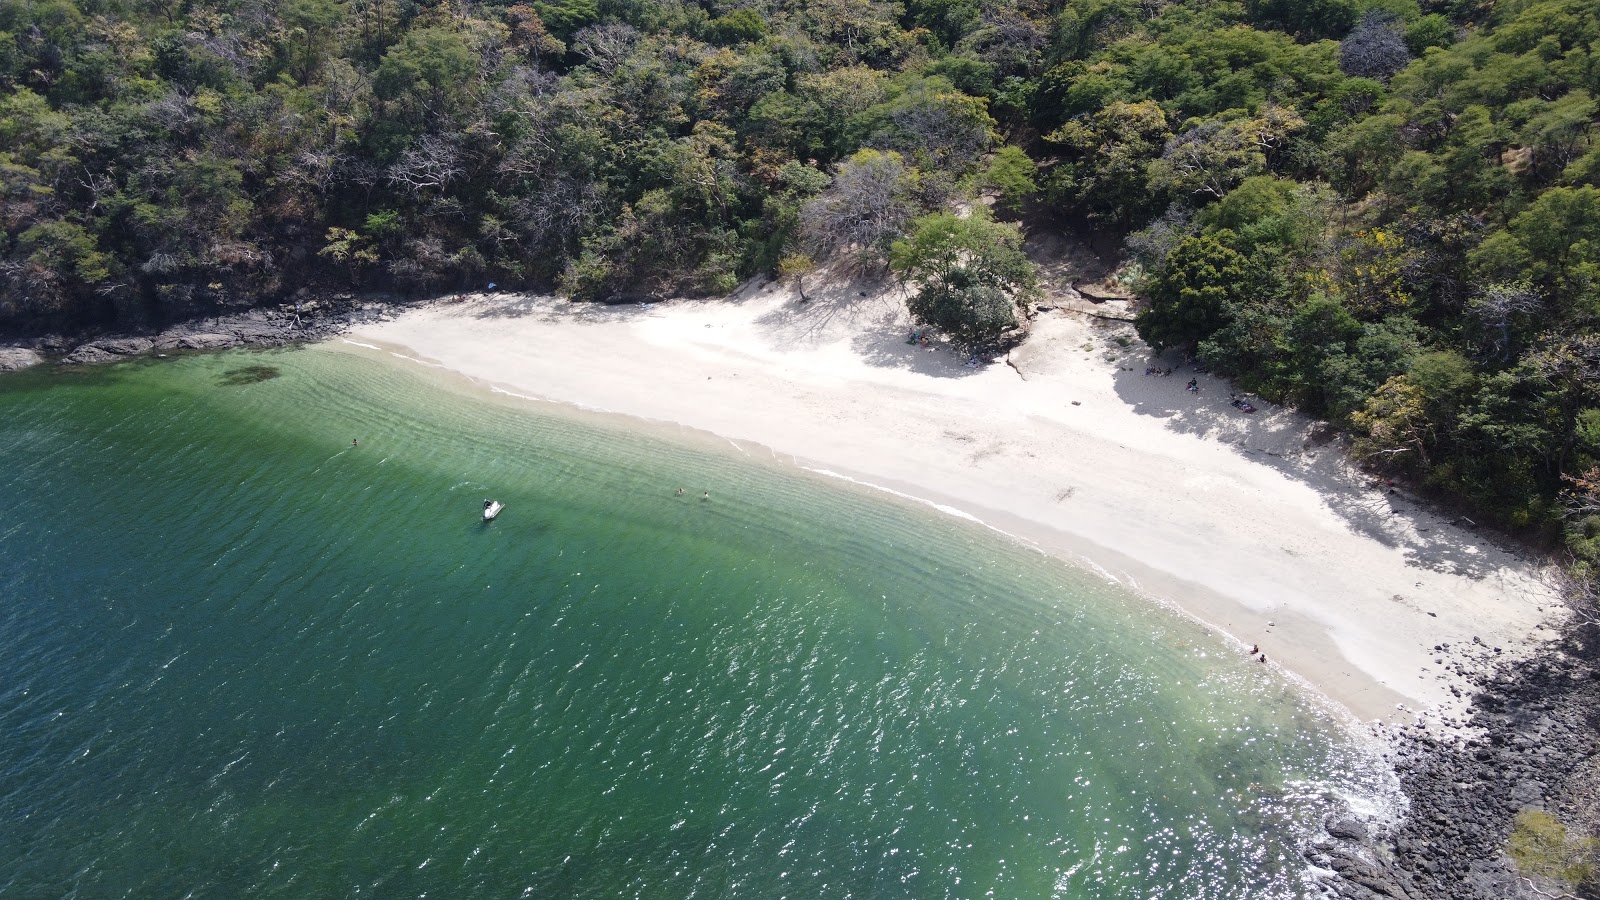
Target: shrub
1541, 848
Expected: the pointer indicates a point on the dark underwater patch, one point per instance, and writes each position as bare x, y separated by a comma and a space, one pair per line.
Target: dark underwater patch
249, 375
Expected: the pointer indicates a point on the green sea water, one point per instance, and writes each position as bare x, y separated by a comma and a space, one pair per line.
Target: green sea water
241, 658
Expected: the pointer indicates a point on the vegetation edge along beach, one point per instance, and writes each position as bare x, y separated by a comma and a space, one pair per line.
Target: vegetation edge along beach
1382, 213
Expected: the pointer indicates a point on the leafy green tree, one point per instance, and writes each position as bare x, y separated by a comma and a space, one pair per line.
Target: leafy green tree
936, 126
64, 263
1267, 211
530, 35
1112, 152
430, 66
1433, 30
969, 274
310, 31
1211, 158
1195, 296
565, 17
1365, 149
741, 26
1558, 132
1012, 173
946, 20
1555, 243
1393, 428
1310, 18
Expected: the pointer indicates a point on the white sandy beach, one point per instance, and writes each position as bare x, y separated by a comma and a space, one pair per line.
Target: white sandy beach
1241, 520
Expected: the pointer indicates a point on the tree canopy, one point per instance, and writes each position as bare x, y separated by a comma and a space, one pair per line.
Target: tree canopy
969, 272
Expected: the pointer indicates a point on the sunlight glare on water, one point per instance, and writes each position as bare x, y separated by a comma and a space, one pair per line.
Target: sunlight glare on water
244, 658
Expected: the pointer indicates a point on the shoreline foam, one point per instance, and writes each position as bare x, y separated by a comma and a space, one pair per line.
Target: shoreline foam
1245, 523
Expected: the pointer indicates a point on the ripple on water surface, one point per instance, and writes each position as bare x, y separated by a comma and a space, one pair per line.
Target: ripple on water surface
242, 657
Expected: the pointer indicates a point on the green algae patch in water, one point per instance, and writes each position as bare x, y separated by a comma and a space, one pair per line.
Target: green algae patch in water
249, 375
243, 657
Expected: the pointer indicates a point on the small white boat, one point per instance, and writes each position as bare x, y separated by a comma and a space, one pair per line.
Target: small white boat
491, 508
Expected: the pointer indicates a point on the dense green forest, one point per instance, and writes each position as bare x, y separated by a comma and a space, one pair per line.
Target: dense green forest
1385, 212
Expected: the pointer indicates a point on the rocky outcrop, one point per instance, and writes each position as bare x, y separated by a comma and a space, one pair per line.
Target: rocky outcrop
14, 358
267, 327
109, 350
1536, 722
1100, 292
205, 340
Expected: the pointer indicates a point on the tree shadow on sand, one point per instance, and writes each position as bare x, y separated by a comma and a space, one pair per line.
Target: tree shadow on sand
885, 345
545, 308
1311, 453
823, 304
870, 310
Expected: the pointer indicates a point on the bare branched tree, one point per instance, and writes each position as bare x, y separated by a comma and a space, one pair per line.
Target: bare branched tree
431, 162
172, 111
1374, 48
1007, 39
606, 46
315, 168
551, 218
1151, 244
1495, 305
523, 88
952, 129
865, 208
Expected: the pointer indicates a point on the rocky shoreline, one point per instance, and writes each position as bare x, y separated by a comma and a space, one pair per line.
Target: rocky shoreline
272, 326
1535, 731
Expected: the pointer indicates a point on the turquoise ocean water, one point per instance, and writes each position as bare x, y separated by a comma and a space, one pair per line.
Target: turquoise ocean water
240, 658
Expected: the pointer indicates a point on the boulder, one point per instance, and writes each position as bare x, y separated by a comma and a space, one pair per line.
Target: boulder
1347, 829
206, 341
90, 353
259, 333
14, 358
110, 349
129, 346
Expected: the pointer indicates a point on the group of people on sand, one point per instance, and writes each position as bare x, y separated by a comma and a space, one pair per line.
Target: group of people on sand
705, 495
1255, 650
1192, 387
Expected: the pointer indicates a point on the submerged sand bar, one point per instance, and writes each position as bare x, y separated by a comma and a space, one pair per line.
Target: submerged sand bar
1240, 520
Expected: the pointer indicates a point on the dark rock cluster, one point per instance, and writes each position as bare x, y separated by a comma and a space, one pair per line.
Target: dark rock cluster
1535, 735
260, 327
